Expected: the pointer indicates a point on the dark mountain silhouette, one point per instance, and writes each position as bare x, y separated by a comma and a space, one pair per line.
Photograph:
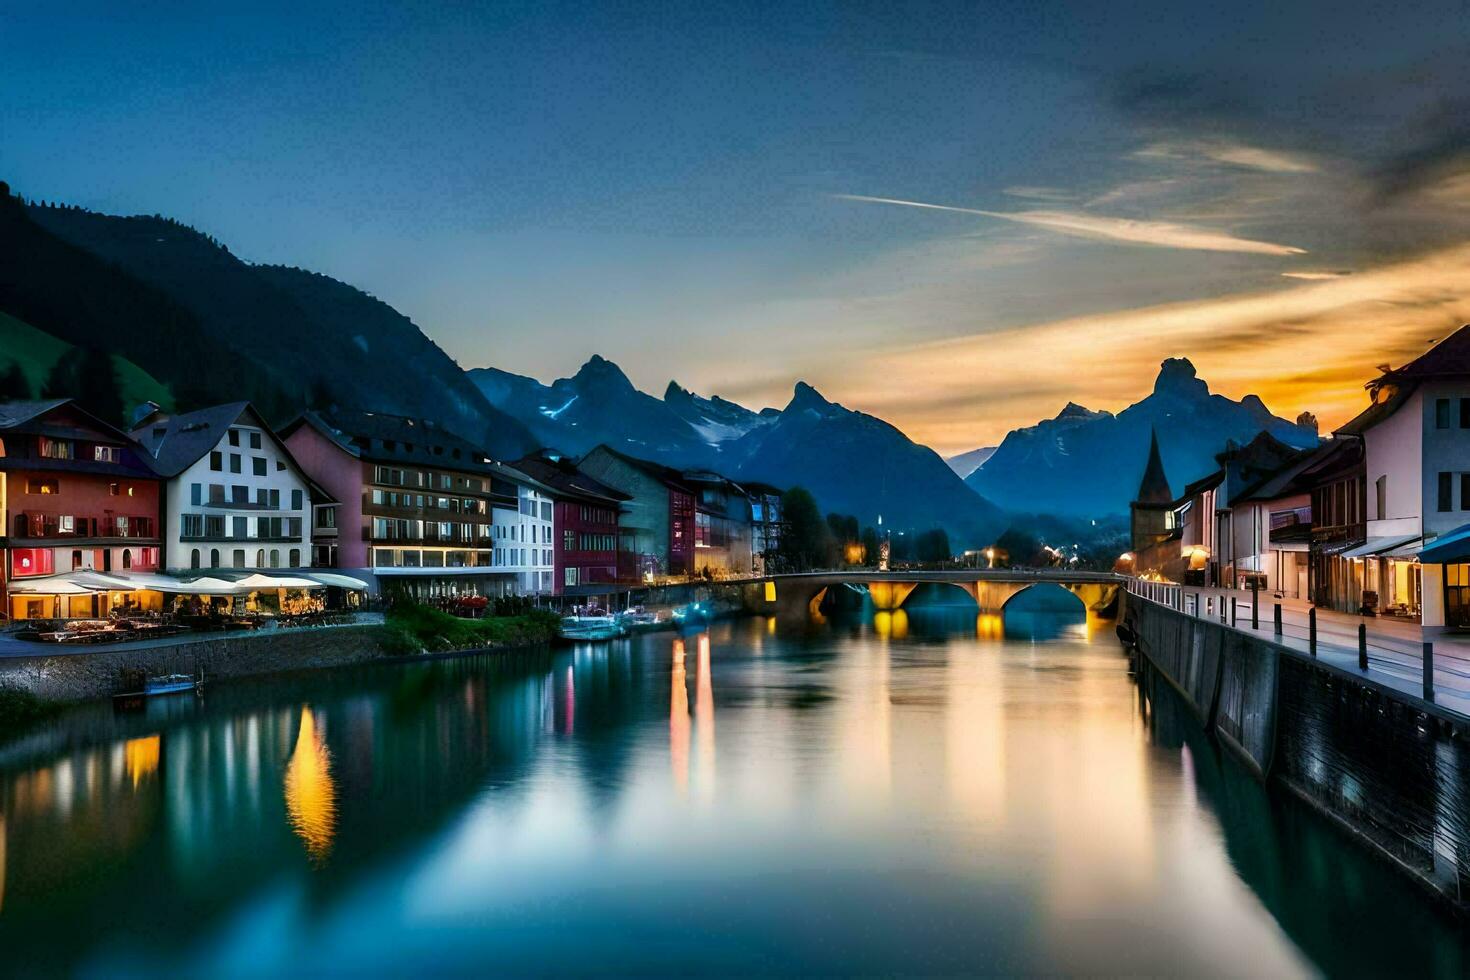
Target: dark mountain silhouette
857, 464
1085, 463
180, 305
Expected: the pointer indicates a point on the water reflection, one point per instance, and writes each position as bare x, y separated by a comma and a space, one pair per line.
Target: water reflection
679, 719
922, 803
311, 796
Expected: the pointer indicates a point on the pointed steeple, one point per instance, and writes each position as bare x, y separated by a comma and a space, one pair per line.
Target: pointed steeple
1154, 488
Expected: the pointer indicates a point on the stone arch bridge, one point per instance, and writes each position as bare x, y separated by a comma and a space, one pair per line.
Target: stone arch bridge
801, 593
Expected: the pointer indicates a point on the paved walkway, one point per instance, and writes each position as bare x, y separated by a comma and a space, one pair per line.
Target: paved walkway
10, 647
1395, 646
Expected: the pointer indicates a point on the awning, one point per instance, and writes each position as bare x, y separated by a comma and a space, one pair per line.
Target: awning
50, 585
259, 581
1408, 550
1380, 546
1338, 547
1448, 548
340, 581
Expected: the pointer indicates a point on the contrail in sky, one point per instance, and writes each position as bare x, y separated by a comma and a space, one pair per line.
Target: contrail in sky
1160, 234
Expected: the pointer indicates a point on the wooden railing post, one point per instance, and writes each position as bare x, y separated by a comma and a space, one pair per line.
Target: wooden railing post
1362, 646
1428, 671
1312, 631
1278, 619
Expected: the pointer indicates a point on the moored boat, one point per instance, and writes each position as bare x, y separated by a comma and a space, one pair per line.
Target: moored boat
593, 623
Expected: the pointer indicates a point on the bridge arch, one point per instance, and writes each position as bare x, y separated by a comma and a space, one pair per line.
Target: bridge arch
941, 595
1063, 597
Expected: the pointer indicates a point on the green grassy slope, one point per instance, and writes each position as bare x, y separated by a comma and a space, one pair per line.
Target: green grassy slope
37, 352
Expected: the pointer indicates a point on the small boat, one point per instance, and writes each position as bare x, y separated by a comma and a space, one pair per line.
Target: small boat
593, 623
638, 619
166, 684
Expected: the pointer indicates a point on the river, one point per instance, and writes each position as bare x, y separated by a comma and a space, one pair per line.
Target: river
909, 793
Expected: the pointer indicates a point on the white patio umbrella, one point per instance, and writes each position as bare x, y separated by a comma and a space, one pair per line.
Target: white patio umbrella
260, 581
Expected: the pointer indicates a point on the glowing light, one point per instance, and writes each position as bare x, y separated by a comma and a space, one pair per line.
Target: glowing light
770, 591
311, 796
891, 625
140, 757
704, 719
679, 721
989, 626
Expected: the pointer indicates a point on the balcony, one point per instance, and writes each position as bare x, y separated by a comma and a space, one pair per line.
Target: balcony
36, 527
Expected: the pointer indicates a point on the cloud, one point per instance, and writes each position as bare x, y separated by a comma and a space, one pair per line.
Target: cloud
1159, 234
1320, 274
1040, 193
1328, 334
1235, 154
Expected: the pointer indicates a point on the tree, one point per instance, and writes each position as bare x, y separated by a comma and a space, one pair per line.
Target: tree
99, 393
14, 386
805, 542
871, 543
933, 546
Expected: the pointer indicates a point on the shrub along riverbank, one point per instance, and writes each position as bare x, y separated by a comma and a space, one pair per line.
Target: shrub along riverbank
414, 628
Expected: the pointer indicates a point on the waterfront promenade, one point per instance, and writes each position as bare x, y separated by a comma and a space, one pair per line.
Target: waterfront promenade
1395, 646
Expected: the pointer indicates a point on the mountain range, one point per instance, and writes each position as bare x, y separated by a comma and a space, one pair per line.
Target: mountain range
1085, 463
188, 322
853, 463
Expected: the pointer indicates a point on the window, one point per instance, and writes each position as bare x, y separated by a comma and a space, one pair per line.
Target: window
546, 510
191, 525
295, 499
216, 493
239, 494
216, 460
111, 454
275, 558
56, 448
239, 558
295, 558
260, 558
258, 462
255, 440
49, 485
66, 524
214, 526
214, 558
1380, 496
1441, 413
571, 576
127, 558
568, 541
196, 494
275, 500
1446, 492
76, 560
240, 527
194, 558
234, 437
30, 561
262, 497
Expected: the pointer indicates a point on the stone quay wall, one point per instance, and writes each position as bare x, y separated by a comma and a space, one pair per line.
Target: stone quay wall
101, 672
1391, 771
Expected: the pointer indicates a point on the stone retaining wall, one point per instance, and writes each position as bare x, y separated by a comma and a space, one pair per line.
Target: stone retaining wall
100, 673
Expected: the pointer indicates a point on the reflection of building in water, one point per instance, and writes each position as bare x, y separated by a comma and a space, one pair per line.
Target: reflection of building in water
311, 798
679, 720
140, 757
975, 734
891, 625
990, 626
704, 719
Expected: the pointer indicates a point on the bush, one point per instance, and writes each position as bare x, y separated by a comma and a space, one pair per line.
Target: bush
413, 627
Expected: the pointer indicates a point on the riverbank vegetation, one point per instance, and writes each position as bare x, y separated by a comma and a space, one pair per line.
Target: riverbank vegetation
415, 628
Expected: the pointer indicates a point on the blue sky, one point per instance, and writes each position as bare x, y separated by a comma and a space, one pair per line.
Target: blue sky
679, 187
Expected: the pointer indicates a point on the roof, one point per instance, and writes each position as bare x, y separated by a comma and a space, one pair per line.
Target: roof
1449, 358
382, 438
660, 472
564, 479
16, 414
1154, 487
1201, 485
173, 443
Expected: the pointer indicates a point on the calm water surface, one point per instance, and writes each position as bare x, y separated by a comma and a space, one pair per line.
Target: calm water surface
910, 794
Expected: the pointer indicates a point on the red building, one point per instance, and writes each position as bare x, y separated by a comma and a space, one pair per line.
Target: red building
585, 559
75, 494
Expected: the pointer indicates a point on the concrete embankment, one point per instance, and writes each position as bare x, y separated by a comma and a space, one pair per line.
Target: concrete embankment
100, 672
1390, 769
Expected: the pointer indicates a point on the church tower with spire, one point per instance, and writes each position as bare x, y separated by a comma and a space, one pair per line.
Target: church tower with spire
1150, 509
